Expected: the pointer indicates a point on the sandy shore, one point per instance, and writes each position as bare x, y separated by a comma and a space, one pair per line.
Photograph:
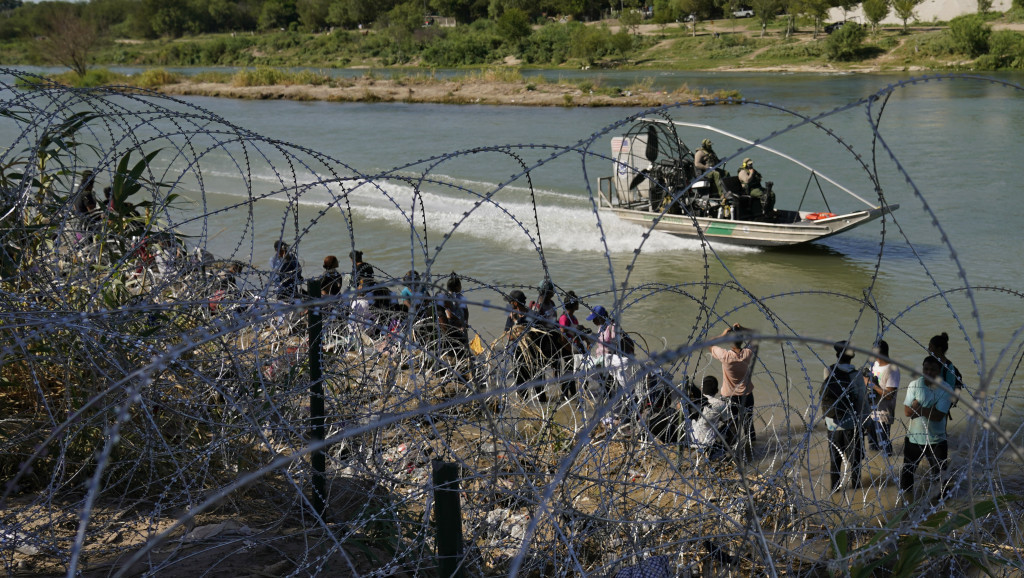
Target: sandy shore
439, 91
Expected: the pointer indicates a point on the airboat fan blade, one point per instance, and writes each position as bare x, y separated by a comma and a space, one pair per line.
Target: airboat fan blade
639, 178
652, 144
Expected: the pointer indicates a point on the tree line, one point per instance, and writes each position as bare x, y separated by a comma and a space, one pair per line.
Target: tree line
150, 19
538, 32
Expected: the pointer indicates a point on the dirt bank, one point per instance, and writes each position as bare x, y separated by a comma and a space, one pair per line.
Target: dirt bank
439, 91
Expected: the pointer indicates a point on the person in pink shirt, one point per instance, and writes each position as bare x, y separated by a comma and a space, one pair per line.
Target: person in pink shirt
738, 389
574, 347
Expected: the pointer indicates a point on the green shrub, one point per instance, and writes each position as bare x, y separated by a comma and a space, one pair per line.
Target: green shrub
181, 54
93, 78
590, 43
792, 50
732, 40
934, 44
1006, 49
550, 44
970, 34
886, 42
845, 44
622, 42
462, 47
155, 77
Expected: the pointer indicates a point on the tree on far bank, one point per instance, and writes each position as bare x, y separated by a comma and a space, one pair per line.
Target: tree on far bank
846, 6
402, 20
666, 11
789, 9
630, 18
765, 11
514, 25
701, 10
277, 14
816, 10
875, 11
70, 36
312, 14
905, 10
464, 11
984, 6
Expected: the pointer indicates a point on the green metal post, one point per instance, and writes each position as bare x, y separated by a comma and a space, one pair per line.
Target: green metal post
448, 519
316, 401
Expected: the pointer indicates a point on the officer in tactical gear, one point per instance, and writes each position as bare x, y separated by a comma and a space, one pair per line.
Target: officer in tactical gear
705, 157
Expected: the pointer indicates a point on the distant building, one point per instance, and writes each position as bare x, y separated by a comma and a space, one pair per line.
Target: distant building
926, 11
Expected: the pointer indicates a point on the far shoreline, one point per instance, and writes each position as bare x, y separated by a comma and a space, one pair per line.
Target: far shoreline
461, 92
497, 86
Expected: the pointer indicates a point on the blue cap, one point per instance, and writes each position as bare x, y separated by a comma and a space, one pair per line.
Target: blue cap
598, 311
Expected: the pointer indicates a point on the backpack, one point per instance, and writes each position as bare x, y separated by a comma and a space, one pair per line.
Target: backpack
836, 400
627, 344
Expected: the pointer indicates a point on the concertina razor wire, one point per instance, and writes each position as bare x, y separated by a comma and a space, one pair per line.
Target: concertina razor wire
157, 406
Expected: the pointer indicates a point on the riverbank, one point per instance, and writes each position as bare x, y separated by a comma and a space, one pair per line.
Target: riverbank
446, 92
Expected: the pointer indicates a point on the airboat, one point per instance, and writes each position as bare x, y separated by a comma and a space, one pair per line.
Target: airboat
656, 186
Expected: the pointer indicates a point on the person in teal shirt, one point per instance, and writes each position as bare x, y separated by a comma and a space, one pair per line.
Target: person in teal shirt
927, 406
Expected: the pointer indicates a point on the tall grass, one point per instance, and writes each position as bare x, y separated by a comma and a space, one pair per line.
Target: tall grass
267, 76
496, 74
156, 77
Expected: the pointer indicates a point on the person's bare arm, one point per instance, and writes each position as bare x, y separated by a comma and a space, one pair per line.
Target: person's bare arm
935, 415
913, 410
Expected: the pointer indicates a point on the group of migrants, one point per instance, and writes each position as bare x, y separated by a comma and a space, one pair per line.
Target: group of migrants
861, 402
371, 308
857, 403
540, 337
714, 418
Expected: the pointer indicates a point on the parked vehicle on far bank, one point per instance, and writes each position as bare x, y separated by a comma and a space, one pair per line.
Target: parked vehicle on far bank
830, 28
743, 13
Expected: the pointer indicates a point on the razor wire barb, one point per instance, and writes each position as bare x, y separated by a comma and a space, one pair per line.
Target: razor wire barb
155, 402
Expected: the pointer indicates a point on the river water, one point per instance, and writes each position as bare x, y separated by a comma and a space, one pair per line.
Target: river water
959, 142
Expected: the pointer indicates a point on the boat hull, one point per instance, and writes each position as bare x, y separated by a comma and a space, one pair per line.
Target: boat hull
751, 233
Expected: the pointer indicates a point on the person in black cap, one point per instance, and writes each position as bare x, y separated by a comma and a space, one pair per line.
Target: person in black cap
360, 269
517, 315
545, 331
574, 345
842, 402
286, 270
331, 280
545, 303
453, 316
517, 327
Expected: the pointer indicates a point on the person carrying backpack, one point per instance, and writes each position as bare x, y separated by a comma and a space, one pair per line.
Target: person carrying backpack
842, 402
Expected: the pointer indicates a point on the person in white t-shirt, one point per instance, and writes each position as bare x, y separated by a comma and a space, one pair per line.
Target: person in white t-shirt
882, 387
